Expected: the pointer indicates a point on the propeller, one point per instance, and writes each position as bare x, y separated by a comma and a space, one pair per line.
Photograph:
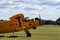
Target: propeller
40, 21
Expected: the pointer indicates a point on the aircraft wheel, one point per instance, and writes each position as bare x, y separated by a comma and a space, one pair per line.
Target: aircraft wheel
28, 33
34, 28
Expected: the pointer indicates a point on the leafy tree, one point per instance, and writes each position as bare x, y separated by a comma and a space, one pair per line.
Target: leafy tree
58, 21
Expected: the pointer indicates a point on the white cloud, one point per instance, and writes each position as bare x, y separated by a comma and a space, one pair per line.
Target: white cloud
10, 1
5, 11
20, 6
2, 1
6, 1
23, 6
2, 17
54, 0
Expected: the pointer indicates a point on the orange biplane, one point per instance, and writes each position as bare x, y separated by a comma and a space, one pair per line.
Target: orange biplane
18, 23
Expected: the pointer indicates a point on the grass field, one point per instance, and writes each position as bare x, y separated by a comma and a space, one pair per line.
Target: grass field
47, 32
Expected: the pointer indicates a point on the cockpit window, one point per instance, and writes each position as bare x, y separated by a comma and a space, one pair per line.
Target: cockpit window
26, 19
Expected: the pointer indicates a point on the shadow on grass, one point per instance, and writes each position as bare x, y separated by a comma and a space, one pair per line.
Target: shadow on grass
2, 36
12, 36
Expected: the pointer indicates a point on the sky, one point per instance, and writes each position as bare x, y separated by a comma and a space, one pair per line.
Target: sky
48, 9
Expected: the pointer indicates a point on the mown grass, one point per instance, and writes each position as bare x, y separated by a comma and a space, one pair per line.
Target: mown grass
46, 32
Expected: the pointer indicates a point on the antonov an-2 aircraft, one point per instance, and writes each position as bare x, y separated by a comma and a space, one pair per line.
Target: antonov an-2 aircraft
18, 23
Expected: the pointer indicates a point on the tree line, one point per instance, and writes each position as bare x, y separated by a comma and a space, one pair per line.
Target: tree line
50, 22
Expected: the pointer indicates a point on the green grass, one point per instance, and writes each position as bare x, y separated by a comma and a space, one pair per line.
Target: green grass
46, 32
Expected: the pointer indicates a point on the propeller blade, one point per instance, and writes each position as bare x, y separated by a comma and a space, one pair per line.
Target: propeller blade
40, 21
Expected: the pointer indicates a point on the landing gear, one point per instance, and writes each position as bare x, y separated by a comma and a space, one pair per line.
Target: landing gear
28, 33
34, 28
